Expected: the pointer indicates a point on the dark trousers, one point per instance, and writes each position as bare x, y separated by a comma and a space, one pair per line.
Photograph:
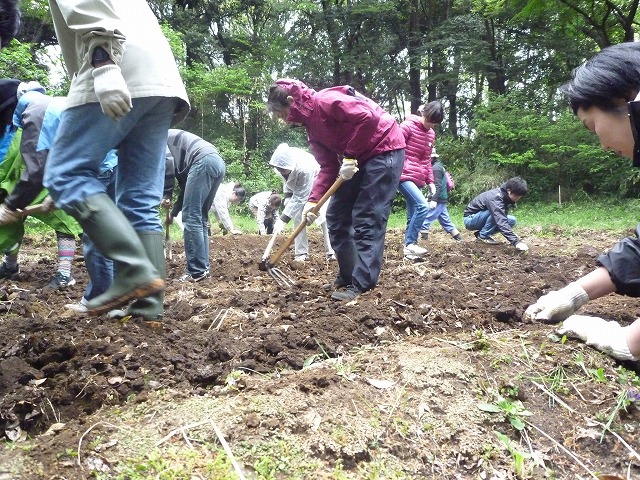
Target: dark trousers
268, 224
357, 219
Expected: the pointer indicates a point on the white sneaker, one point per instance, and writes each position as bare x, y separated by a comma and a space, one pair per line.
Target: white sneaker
301, 258
80, 307
413, 251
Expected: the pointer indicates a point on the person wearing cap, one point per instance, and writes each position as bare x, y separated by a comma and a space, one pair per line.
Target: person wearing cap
438, 202
353, 137
125, 92
35, 122
199, 170
30, 121
298, 170
9, 21
419, 136
605, 98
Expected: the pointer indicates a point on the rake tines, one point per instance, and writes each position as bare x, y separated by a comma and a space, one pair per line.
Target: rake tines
280, 277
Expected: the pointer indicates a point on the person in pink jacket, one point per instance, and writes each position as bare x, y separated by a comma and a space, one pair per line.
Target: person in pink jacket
353, 137
417, 172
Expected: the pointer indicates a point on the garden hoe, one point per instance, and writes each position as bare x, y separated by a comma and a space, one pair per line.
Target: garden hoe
268, 263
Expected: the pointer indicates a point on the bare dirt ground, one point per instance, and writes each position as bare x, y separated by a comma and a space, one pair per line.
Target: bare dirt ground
433, 374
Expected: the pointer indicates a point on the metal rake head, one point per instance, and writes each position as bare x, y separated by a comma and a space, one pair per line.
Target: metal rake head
280, 277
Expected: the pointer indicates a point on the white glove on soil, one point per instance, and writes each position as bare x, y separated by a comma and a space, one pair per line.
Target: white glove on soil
278, 226
557, 305
112, 91
308, 214
349, 168
608, 337
432, 189
7, 215
521, 247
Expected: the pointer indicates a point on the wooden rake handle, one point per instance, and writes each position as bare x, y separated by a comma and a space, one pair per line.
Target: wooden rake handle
267, 250
303, 224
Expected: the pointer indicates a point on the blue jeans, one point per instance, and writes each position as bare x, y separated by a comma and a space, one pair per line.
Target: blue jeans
99, 267
204, 178
483, 221
441, 214
417, 210
84, 138
357, 219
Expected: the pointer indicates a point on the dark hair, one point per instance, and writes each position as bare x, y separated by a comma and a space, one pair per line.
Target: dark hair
238, 189
610, 75
275, 200
277, 100
517, 186
9, 21
433, 112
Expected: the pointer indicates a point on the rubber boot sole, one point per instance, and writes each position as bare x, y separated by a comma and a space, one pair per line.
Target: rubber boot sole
152, 287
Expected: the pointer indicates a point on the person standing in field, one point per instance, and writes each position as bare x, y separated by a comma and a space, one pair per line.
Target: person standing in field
125, 92
438, 202
199, 170
350, 136
298, 170
419, 136
605, 95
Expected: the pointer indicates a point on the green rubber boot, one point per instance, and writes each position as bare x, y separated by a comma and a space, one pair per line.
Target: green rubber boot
135, 275
152, 306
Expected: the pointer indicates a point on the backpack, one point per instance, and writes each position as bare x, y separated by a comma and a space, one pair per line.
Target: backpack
451, 184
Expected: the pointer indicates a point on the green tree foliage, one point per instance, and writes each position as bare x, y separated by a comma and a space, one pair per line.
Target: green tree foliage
494, 64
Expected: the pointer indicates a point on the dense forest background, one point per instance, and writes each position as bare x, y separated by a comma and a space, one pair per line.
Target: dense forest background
495, 65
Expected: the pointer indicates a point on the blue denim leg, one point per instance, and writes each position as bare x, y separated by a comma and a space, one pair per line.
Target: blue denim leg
445, 220
432, 215
417, 204
357, 218
84, 138
483, 221
205, 176
99, 267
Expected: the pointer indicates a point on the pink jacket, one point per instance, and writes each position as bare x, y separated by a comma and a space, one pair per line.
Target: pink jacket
340, 123
417, 162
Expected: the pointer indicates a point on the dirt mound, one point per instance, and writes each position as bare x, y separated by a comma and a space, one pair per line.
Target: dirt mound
58, 367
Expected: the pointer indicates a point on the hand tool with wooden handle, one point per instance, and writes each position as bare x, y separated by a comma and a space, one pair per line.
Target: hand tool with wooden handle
303, 224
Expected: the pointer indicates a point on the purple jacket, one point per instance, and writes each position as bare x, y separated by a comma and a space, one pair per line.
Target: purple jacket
340, 123
417, 162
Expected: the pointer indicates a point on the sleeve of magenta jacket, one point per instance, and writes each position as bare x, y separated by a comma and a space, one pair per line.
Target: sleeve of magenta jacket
329, 168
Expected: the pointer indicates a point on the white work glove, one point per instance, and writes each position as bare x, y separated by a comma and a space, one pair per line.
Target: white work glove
112, 91
608, 337
278, 226
349, 168
432, 189
521, 247
7, 215
432, 204
308, 214
557, 305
